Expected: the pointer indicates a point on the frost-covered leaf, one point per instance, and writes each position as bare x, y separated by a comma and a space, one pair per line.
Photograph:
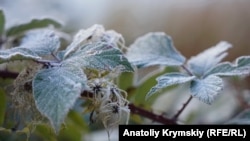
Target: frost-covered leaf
207, 59
154, 49
169, 79
17, 53
112, 37
207, 89
82, 37
36, 23
240, 67
55, 91
241, 118
2, 22
42, 41
36, 43
100, 56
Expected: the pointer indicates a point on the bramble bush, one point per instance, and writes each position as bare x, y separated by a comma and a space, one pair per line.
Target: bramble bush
49, 76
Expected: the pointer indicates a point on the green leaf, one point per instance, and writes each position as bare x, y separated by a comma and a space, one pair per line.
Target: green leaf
18, 53
42, 41
56, 90
169, 79
101, 56
2, 22
242, 118
154, 49
207, 89
240, 67
202, 62
36, 23
82, 37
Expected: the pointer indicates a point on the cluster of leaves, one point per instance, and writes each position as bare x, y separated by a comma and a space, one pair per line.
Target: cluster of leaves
59, 82
203, 71
94, 58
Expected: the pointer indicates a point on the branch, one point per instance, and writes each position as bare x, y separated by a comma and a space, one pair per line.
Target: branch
181, 110
134, 109
187, 70
55, 57
142, 112
139, 111
7, 74
189, 99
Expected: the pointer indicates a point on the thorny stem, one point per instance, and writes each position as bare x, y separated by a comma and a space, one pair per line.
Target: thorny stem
133, 108
187, 70
142, 112
182, 108
55, 57
189, 99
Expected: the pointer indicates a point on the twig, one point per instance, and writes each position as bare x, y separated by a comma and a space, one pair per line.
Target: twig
187, 70
142, 112
55, 57
189, 99
182, 108
7, 74
134, 109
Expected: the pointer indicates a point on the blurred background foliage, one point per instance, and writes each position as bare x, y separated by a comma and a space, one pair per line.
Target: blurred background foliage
193, 25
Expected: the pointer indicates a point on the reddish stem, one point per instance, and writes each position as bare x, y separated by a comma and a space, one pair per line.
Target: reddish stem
7, 74
142, 112
182, 108
134, 109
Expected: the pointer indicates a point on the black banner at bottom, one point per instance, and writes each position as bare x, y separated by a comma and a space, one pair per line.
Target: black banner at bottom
180, 132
